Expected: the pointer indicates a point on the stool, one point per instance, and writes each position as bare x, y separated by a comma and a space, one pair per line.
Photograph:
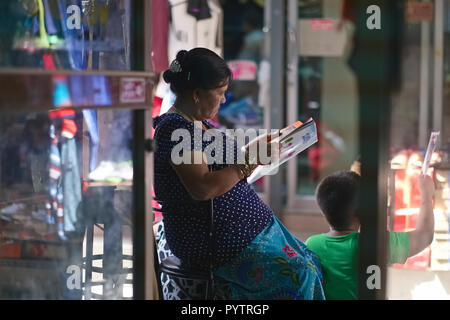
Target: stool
100, 209
173, 267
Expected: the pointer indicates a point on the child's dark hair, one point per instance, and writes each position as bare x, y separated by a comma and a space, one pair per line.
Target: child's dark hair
337, 196
198, 68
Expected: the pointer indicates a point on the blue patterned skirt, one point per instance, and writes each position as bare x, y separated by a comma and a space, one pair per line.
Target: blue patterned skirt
274, 266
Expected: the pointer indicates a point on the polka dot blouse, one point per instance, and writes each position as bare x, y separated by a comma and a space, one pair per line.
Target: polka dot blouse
239, 215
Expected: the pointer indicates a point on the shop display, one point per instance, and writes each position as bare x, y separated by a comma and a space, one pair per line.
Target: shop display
189, 29
48, 203
81, 34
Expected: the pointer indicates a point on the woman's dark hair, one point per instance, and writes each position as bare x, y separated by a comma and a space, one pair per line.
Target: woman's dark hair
199, 68
337, 196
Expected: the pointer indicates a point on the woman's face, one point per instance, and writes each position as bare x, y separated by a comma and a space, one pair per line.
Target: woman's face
209, 101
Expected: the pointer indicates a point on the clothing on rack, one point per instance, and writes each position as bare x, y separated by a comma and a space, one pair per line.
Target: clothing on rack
71, 183
186, 32
64, 186
77, 56
199, 9
49, 23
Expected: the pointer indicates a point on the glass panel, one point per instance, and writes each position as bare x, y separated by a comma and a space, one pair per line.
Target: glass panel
425, 275
80, 34
243, 51
243, 45
326, 92
65, 205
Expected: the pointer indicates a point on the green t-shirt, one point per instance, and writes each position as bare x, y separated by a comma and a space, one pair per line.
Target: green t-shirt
338, 256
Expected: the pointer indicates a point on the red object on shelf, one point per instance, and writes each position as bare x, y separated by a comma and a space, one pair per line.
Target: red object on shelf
36, 250
10, 250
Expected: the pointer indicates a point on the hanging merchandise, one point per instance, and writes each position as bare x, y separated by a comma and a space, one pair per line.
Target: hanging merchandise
199, 9
53, 32
71, 184
49, 23
32, 35
29, 7
192, 24
64, 186
54, 175
186, 32
42, 41
77, 57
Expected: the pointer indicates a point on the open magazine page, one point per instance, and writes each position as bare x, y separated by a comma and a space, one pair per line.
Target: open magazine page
292, 140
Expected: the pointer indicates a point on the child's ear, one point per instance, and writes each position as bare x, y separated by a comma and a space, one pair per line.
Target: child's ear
356, 167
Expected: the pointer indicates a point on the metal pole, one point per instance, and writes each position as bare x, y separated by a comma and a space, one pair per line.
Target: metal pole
438, 65
277, 91
373, 61
141, 245
424, 83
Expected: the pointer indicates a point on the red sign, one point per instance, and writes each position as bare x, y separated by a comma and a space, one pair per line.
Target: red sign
243, 69
132, 90
419, 11
322, 24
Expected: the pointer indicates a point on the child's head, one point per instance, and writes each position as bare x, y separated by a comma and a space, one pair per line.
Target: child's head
337, 196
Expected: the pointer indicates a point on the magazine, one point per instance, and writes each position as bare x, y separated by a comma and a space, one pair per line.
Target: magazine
291, 140
430, 149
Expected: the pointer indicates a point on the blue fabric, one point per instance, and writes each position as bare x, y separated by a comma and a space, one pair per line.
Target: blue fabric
274, 266
90, 116
77, 56
49, 23
71, 184
88, 91
54, 176
239, 215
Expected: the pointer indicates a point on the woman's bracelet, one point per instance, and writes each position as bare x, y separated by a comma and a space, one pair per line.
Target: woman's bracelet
246, 169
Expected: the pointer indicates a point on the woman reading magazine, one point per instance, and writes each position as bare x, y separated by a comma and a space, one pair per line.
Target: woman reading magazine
254, 254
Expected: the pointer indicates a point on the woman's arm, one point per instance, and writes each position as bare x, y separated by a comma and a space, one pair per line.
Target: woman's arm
201, 184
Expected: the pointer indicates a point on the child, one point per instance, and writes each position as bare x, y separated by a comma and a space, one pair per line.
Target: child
337, 196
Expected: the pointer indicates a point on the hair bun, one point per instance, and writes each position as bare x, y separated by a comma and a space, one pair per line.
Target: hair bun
181, 56
168, 76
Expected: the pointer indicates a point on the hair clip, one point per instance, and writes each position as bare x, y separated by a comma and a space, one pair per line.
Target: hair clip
175, 66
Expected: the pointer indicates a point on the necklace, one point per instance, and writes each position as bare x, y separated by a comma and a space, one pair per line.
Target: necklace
184, 115
181, 113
